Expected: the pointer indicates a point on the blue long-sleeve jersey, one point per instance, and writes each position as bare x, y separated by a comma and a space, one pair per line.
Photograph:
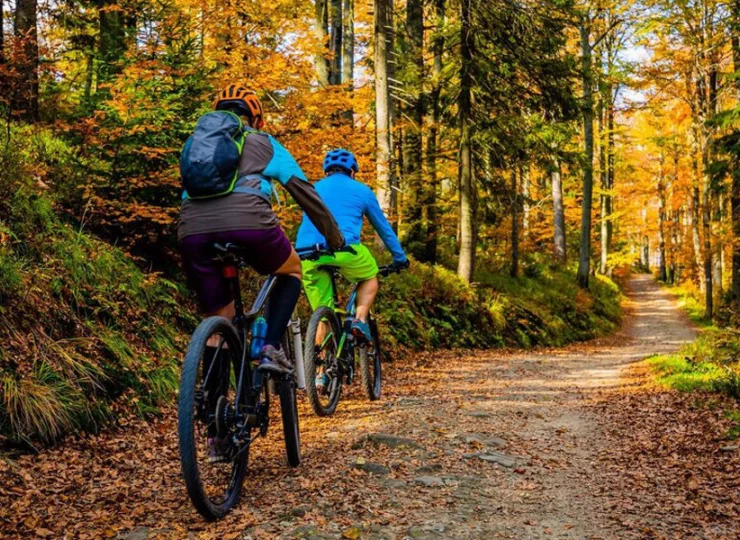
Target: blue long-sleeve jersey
350, 201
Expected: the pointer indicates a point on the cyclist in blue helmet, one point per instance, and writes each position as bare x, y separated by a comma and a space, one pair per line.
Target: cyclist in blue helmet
349, 201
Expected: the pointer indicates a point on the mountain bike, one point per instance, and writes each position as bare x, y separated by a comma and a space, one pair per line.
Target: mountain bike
333, 350
224, 399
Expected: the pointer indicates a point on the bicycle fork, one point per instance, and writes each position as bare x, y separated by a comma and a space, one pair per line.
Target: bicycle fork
295, 331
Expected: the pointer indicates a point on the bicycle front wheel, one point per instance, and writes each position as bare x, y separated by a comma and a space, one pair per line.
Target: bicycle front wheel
289, 409
370, 371
286, 389
213, 466
323, 370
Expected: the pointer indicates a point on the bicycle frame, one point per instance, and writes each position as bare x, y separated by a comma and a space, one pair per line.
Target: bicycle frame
243, 321
348, 312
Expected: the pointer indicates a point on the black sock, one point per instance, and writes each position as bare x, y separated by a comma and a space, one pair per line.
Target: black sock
280, 306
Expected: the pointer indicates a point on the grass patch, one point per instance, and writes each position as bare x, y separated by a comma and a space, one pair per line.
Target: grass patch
682, 373
86, 335
691, 301
710, 364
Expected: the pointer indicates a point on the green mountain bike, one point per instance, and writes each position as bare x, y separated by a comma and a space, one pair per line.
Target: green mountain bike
332, 351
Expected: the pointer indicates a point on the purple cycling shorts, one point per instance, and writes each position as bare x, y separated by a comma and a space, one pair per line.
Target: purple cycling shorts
266, 251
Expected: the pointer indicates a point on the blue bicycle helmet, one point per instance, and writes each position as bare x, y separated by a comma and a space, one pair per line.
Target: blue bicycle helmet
341, 158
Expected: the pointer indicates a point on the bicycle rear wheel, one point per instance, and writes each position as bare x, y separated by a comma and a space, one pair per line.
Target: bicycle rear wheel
208, 388
323, 336
370, 371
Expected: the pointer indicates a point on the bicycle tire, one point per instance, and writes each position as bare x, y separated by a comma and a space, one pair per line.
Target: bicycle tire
370, 371
312, 362
186, 422
289, 412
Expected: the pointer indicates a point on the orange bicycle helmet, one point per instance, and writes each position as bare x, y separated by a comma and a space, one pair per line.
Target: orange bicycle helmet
241, 100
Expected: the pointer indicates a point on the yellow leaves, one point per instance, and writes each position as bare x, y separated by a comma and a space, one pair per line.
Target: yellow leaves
353, 533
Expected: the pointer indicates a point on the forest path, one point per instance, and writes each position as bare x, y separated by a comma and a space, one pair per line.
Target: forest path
462, 445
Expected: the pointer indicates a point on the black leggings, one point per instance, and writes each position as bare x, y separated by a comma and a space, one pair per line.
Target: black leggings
280, 306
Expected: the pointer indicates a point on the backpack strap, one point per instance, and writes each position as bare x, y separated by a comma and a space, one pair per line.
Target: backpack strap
239, 187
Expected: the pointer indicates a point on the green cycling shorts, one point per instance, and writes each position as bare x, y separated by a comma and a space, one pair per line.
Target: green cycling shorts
317, 284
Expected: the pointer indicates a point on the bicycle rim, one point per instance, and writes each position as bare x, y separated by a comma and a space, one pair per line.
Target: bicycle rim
322, 364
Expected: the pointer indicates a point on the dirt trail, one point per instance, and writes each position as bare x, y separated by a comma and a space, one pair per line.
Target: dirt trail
485, 445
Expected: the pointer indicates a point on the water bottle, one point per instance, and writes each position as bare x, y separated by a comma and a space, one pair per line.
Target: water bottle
259, 332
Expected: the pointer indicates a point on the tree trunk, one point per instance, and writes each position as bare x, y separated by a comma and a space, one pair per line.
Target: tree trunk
584, 262
603, 179
610, 177
430, 248
321, 23
348, 53
112, 41
2, 34
526, 208
89, 76
413, 153
558, 213
707, 229
335, 43
663, 272
735, 188
466, 260
645, 254
26, 103
694, 215
514, 272
382, 110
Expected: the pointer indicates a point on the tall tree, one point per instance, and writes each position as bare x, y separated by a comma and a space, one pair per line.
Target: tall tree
735, 187
321, 28
663, 271
382, 107
515, 198
337, 23
466, 260
348, 43
413, 153
348, 53
26, 103
430, 202
584, 261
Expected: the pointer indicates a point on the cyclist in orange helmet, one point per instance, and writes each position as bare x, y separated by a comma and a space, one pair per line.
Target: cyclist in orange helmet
244, 216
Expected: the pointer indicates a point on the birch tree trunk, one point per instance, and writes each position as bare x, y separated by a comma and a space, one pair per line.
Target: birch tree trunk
321, 24
466, 260
558, 213
382, 110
